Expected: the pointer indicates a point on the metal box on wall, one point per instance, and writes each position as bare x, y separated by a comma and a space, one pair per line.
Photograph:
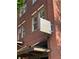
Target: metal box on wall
45, 26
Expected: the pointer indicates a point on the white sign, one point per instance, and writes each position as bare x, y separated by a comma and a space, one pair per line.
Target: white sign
45, 26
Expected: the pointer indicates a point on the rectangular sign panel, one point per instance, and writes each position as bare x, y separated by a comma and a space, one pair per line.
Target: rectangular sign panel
45, 26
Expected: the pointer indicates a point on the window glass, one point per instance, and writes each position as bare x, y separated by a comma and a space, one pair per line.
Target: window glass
34, 23
33, 1
23, 8
21, 33
42, 13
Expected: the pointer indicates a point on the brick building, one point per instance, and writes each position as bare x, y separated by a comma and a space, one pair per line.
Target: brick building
33, 43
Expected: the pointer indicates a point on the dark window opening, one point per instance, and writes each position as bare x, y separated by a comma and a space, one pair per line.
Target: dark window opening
44, 58
42, 44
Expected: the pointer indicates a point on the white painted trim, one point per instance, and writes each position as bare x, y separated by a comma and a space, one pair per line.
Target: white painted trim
21, 23
37, 9
40, 7
41, 49
34, 13
21, 49
19, 42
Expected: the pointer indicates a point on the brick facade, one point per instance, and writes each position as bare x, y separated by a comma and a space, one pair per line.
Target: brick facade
52, 13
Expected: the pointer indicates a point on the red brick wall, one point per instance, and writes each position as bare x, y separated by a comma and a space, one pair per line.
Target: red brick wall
55, 40
52, 14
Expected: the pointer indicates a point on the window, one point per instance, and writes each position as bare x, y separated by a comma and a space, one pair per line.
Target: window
20, 13
35, 23
21, 33
33, 1
35, 19
42, 13
23, 8
42, 44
